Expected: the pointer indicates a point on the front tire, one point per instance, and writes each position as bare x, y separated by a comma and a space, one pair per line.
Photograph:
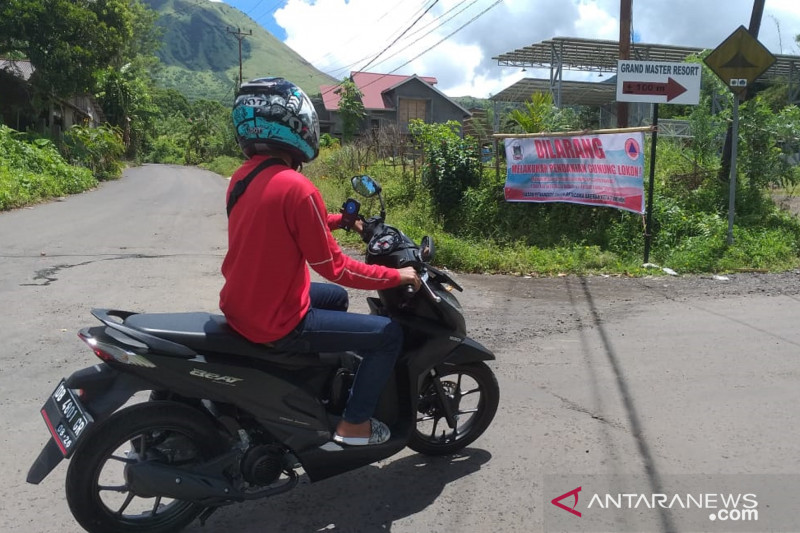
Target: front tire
97, 491
472, 392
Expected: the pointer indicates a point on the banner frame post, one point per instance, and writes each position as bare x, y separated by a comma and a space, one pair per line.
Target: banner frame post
648, 231
496, 158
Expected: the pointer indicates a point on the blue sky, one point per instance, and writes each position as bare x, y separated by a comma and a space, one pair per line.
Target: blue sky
454, 40
262, 12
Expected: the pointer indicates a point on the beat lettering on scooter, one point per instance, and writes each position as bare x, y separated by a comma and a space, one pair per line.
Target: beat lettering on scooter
214, 377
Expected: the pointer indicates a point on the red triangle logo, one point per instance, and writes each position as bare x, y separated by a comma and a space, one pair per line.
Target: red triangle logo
557, 501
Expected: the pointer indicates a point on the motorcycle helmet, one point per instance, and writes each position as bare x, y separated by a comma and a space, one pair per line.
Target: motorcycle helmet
273, 113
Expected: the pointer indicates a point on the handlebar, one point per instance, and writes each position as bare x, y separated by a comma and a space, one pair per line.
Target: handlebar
397, 249
371, 225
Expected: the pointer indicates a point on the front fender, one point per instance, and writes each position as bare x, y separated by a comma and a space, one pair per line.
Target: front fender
469, 351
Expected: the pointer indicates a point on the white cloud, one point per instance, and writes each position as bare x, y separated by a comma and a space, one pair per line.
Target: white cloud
338, 36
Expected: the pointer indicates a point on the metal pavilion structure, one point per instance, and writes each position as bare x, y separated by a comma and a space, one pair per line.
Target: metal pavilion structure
591, 55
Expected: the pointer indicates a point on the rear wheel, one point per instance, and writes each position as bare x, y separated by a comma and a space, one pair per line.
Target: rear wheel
471, 392
97, 490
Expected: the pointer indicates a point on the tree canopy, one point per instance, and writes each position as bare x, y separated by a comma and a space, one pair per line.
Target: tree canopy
69, 41
350, 107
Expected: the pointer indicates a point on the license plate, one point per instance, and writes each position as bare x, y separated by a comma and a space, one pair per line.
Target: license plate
66, 418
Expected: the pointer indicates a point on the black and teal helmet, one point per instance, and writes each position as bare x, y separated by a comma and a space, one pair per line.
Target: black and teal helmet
273, 113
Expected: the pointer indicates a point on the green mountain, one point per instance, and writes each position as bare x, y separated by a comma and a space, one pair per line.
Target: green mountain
201, 55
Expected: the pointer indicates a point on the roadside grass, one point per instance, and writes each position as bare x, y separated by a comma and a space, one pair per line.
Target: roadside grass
224, 165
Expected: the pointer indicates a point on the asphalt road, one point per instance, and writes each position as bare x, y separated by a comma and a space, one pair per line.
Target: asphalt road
652, 381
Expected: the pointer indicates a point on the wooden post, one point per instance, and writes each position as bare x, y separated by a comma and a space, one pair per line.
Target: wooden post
239, 37
571, 133
625, 18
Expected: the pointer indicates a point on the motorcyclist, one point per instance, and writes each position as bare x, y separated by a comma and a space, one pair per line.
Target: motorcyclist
278, 226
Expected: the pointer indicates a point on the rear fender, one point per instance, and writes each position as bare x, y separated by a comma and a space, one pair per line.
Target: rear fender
103, 391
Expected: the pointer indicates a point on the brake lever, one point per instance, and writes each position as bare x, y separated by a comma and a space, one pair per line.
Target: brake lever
424, 281
446, 278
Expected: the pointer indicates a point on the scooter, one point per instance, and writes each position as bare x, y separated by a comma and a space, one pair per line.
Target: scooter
227, 420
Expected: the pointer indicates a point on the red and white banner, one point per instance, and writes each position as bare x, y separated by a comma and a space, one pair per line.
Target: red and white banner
602, 169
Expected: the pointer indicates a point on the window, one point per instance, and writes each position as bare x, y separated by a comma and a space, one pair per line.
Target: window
408, 110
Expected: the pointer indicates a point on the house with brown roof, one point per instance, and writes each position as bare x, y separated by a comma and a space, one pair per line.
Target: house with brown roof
391, 100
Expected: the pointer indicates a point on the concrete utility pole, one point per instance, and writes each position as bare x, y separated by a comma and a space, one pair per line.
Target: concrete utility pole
625, 17
239, 37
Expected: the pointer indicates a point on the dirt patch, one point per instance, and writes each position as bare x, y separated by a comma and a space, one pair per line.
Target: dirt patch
788, 202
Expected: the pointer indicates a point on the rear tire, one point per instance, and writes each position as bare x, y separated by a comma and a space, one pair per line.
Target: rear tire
177, 433
474, 400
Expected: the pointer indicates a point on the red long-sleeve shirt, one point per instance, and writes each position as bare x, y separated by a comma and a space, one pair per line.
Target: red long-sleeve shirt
279, 225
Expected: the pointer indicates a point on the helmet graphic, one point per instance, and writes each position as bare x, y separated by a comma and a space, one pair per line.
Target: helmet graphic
273, 113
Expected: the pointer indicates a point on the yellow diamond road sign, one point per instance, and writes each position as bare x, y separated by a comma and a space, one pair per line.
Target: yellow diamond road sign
739, 60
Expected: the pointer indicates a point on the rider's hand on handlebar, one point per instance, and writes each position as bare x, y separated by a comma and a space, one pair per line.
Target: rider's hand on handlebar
409, 276
358, 227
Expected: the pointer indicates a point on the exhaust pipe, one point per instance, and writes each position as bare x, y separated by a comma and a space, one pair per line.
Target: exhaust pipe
148, 479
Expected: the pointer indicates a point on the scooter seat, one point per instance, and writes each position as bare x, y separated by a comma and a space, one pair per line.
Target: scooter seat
207, 333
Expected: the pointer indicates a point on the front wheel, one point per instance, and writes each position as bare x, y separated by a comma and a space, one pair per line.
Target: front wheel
471, 393
97, 489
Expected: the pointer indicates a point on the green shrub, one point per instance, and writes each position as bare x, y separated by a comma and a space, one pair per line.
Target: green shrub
164, 149
328, 141
452, 164
99, 149
34, 170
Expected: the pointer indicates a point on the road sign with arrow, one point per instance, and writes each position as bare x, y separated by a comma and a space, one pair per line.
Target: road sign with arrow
658, 82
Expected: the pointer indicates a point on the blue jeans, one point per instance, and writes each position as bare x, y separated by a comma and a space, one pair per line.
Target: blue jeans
328, 327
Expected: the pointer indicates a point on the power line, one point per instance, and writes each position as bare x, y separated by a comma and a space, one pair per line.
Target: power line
350, 65
354, 37
464, 8
249, 11
401, 35
434, 28
473, 19
270, 10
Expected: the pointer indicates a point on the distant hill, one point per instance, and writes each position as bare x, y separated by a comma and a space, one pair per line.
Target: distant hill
201, 58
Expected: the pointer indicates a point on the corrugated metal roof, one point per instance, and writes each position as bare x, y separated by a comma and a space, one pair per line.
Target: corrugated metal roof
602, 56
572, 92
329, 99
372, 86
22, 69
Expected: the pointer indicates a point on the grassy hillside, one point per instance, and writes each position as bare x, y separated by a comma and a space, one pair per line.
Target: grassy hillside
201, 58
